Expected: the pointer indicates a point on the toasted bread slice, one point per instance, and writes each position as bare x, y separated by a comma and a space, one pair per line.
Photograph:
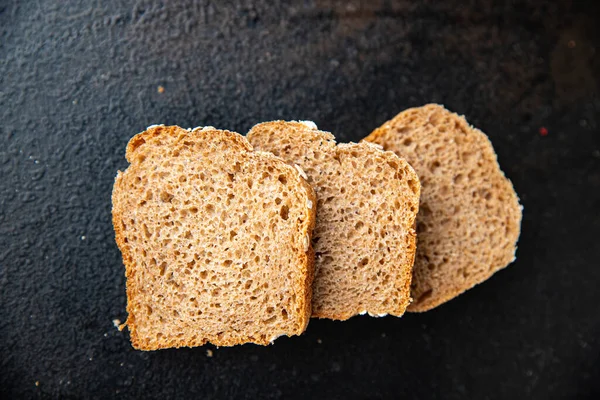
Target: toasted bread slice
470, 217
367, 201
215, 239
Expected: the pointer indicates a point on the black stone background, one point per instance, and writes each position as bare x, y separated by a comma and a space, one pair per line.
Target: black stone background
79, 78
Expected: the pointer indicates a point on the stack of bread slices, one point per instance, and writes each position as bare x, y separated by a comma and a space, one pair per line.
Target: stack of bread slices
230, 239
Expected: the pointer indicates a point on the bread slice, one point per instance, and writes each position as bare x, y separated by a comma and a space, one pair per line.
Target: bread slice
367, 201
215, 239
470, 217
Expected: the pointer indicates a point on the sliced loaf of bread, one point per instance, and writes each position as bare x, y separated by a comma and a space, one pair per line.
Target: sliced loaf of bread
367, 201
215, 239
470, 218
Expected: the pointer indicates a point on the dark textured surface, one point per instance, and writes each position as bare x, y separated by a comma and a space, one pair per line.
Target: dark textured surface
78, 79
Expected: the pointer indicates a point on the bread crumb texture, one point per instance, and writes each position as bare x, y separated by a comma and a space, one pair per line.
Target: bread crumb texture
470, 218
367, 201
213, 237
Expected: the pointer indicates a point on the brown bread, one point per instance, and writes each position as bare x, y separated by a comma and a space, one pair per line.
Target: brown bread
367, 204
215, 239
470, 218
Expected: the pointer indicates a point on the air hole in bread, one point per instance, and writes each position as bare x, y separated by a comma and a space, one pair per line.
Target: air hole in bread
413, 185
162, 268
467, 156
284, 212
424, 210
425, 295
486, 194
166, 197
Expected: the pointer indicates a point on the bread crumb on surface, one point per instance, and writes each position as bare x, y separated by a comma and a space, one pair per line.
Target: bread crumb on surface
116, 323
209, 353
37, 383
160, 89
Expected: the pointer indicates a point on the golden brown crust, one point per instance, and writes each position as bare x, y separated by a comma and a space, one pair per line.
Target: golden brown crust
454, 252
154, 134
136, 152
309, 256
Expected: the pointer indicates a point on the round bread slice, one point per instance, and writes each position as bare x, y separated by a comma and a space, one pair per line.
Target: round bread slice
367, 201
215, 239
470, 217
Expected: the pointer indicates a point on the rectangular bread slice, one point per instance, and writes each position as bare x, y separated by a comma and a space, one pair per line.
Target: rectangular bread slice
367, 202
470, 216
215, 240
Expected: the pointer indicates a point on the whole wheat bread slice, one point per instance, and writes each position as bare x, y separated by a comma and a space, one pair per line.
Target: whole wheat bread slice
469, 220
367, 201
215, 239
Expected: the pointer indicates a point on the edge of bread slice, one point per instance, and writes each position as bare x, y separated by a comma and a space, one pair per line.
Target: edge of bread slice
470, 217
367, 202
215, 238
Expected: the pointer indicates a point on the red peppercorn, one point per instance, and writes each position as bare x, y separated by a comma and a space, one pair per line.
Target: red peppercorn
543, 131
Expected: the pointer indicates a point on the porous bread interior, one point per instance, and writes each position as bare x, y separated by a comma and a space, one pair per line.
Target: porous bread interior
469, 219
215, 238
367, 201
